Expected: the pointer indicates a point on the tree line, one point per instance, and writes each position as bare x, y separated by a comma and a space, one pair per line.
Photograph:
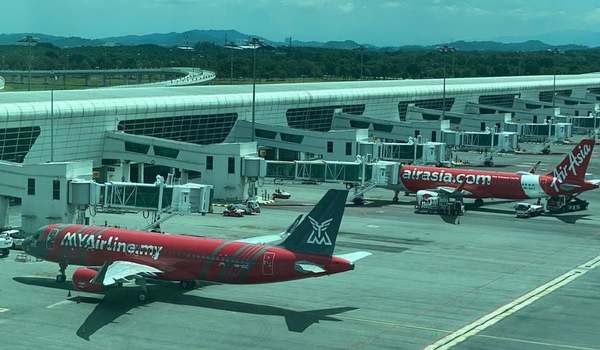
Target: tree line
303, 62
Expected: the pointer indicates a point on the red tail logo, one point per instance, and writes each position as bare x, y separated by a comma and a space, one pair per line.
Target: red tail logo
572, 168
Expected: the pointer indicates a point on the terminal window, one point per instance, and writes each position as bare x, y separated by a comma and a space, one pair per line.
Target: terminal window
198, 129
231, 165
31, 187
318, 118
56, 189
504, 100
430, 103
209, 162
15, 143
546, 96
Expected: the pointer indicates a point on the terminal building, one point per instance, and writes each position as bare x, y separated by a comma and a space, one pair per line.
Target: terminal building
203, 134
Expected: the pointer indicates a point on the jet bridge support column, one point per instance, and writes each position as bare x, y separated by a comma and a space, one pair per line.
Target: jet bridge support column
141, 172
126, 171
3, 211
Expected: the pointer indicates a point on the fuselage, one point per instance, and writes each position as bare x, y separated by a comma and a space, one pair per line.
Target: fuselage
179, 257
486, 184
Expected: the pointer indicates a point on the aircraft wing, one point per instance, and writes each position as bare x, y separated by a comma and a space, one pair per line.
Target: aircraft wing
272, 238
118, 271
450, 191
263, 239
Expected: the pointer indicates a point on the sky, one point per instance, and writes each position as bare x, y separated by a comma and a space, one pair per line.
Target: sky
378, 22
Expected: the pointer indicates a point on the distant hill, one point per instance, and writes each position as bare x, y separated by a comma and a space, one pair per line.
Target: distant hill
188, 38
576, 37
220, 37
530, 45
60, 41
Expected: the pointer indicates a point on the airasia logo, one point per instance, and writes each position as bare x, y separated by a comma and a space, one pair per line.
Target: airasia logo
574, 160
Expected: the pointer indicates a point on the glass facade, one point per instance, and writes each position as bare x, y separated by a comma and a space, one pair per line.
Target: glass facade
504, 100
15, 143
430, 103
546, 96
198, 129
318, 118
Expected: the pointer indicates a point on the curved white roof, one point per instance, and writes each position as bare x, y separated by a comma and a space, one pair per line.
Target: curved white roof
156, 99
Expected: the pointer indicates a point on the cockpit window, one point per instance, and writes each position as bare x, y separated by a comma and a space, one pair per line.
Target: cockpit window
50, 239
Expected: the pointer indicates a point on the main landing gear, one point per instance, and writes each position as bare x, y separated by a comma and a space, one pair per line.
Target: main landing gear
62, 277
143, 296
395, 199
478, 203
188, 285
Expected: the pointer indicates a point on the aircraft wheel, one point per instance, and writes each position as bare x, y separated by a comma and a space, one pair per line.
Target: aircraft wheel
395, 199
479, 202
358, 201
61, 278
187, 285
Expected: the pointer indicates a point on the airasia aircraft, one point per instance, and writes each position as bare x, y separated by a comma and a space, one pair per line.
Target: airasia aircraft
113, 256
567, 179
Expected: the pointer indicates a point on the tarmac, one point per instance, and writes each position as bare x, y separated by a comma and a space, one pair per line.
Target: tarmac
490, 281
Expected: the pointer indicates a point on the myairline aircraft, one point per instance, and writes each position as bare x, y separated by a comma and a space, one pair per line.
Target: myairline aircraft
567, 179
113, 256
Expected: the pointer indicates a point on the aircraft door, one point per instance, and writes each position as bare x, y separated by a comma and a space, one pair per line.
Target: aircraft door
268, 261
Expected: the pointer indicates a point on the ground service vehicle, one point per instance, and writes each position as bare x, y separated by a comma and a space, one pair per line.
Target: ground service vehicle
565, 204
6, 243
17, 236
431, 202
527, 210
279, 194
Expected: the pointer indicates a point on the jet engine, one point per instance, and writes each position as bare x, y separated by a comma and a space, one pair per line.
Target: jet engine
82, 280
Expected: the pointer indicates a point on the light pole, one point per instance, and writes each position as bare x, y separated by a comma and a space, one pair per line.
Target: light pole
362, 62
231, 46
253, 44
445, 50
31, 41
553, 52
54, 78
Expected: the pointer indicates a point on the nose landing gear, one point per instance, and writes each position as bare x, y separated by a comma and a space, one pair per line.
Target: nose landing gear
62, 277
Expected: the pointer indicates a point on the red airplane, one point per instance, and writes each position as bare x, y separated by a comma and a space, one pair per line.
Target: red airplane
566, 180
113, 256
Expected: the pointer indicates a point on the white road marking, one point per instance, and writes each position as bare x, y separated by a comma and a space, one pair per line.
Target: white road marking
3, 310
499, 314
64, 302
372, 226
552, 345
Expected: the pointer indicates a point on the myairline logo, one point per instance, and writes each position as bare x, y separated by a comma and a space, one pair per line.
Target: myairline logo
319, 232
574, 161
110, 244
442, 176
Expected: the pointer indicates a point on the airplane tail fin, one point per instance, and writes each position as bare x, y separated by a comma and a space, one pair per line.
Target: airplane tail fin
317, 232
572, 169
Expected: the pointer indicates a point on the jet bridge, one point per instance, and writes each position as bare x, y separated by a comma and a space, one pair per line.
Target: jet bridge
360, 175
160, 200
